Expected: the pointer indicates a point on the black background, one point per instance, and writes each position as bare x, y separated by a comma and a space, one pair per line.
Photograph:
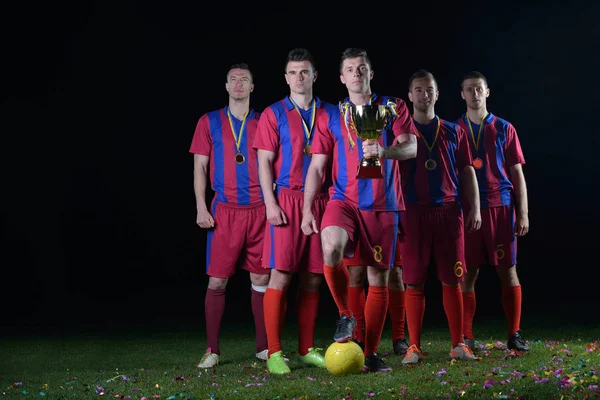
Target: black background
100, 102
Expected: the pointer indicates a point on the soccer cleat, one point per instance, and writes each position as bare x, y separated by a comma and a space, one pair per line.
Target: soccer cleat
345, 326
413, 355
470, 343
400, 347
462, 352
517, 342
374, 363
313, 357
276, 364
209, 359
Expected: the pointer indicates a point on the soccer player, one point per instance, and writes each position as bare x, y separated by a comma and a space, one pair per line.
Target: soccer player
283, 140
360, 211
235, 222
433, 220
357, 298
498, 160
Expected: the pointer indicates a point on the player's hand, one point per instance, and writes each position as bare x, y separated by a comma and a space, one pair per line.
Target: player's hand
371, 148
522, 225
473, 222
275, 215
309, 223
204, 219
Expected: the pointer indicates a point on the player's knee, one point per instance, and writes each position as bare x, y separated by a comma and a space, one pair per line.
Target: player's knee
215, 283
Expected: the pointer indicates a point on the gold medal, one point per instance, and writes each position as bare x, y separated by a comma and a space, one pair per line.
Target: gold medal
307, 150
478, 163
239, 158
430, 164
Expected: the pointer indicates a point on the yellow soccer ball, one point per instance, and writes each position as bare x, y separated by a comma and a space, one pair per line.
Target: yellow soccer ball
344, 358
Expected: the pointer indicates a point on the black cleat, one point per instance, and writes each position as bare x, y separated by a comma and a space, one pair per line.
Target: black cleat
400, 347
517, 342
345, 326
374, 363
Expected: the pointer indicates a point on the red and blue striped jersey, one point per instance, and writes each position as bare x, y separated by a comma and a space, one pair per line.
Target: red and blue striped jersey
450, 153
232, 183
284, 130
499, 149
332, 138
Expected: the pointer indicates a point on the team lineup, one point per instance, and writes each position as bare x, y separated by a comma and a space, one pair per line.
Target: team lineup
361, 192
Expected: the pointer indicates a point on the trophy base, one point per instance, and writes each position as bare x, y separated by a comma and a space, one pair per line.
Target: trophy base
369, 172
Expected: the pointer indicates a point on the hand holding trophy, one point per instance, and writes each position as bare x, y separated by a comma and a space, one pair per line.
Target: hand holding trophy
368, 122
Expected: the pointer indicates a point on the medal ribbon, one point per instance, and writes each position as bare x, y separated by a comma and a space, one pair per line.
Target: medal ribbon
237, 137
476, 142
437, 131
307, 131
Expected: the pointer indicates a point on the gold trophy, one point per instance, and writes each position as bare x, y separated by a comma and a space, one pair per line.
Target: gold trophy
368, 123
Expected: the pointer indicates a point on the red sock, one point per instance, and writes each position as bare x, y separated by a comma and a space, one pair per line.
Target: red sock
397, 310
452, 298
469, 306
214, 308
257, 300
338, 280
274, 304
375, 311
307, 304
356, 300
415, 311
511, 300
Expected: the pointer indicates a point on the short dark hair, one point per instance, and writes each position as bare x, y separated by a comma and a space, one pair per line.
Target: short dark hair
240, 66
353, 52
420, 74
300, 54
473, 75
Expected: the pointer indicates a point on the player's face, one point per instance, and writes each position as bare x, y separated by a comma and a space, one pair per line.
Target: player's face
356, 75
475, 93
239, 84
423, 94
300, 76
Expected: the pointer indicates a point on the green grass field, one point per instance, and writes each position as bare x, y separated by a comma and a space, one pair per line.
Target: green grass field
153, 363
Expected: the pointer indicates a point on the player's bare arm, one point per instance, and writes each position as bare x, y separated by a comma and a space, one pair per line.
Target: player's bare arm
203, 217
275, 214
312, 186
404, 148
518, 181
469, 182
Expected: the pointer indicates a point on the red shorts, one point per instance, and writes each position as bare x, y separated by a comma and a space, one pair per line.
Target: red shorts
437, 232
286, 248
236, 240
357, 260
374, 232
495, 243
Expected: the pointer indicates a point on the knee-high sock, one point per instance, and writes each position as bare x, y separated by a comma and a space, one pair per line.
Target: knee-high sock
469, 306
397, 310
415, 311
307, 309
214, 308
356, 300
452, 298
274, 304
375, 312
257, 301
511, 300
338, 280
